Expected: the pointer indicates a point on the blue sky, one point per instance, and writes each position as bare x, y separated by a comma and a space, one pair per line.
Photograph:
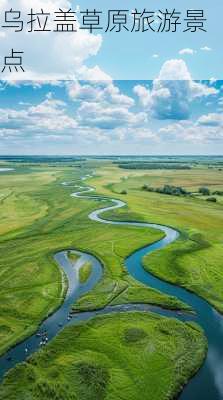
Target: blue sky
113, 93
133, 53
121, 55
115, 117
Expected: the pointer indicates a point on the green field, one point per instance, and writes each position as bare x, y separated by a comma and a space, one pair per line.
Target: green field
195, 260
148, 357
45, 220
73, 257
85, 272
39, 218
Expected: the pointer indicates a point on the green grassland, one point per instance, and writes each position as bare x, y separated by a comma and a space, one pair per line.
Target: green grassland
40, 218
195, 260
85, 272
191, 180
73, 257
148, 357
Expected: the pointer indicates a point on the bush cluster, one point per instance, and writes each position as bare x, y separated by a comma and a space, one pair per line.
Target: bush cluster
167, 189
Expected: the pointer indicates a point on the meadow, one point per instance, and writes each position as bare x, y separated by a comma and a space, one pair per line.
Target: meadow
148, 357
149, 354
39, 218
85, 272
195, 259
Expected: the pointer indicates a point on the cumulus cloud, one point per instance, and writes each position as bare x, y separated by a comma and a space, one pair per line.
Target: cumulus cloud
103, 105
106, 116
172, 92
96, 112
103, 112
211, 119
174, 69
50, 55
98, 92
48, 116
206, 48
206, 129
187, 51
93, 74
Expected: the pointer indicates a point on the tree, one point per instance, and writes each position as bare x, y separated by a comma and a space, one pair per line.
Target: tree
204, 191
145, 187
212, 199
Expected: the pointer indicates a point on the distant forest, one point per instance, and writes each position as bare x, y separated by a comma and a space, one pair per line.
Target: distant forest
149, 165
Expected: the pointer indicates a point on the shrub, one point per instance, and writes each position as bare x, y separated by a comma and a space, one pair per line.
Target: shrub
148, 188
212, 199
218, 193
145, 187
93, 380
133, 335
204, 191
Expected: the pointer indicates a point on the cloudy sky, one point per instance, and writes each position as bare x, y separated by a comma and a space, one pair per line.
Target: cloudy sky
124, 93
124, 55
113, 117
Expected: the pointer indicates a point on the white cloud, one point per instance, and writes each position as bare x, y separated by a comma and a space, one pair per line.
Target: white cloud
172, 92
212, 81
50, 55
96, 111
206, 48
201, 90
174, 70
99, 92
220, 103
48, 116
100, 112
107, 116
92, 74
191, 132
155, 56
102, 104
144, 95
211, 119
187, 51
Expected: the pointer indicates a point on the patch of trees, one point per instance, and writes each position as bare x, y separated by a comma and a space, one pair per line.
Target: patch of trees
212, 199
145, 165
218, 193
180, 191
204, 191
167, 189
37, 160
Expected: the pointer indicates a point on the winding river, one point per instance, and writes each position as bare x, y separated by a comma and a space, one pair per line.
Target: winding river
208, 382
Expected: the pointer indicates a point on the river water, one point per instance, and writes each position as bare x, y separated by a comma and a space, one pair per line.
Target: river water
208, 382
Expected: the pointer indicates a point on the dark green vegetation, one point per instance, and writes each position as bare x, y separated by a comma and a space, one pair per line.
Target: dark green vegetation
148, 357
151, 165
38, 218
172, 190
139, 355
212, 199
204, 191
73, 257
195, 259
85, 272
167, 189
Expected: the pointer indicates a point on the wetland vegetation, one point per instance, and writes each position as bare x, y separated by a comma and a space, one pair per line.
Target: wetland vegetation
85, 272
39, 218
131, 354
